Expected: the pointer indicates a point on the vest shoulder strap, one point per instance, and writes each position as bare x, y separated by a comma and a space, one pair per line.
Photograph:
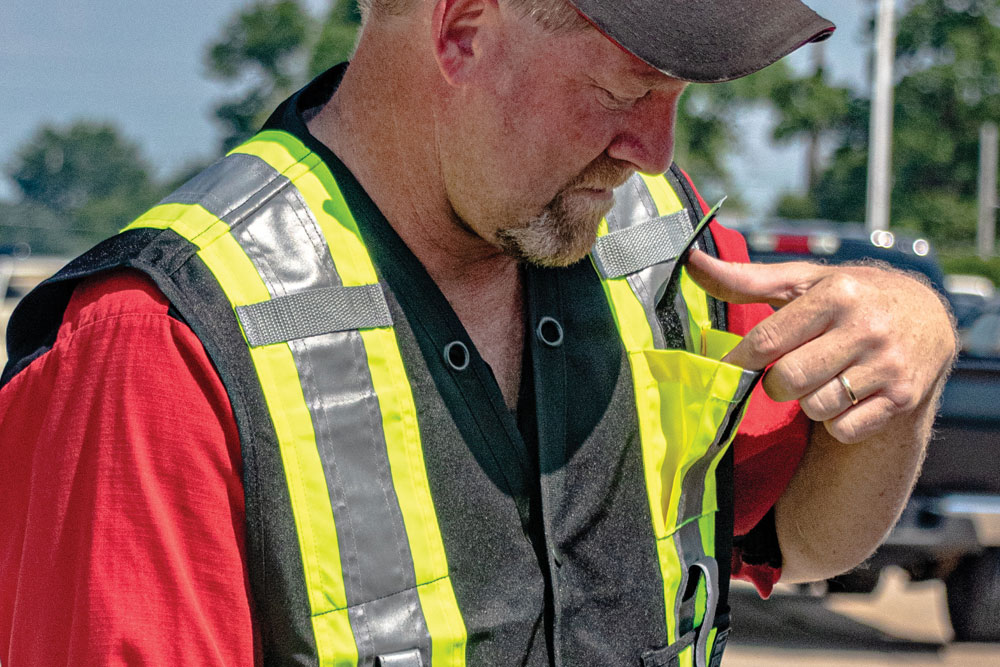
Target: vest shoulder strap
35, 322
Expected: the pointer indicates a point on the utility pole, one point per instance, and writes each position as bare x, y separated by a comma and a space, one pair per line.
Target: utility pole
880, 127
986, 229
818, 52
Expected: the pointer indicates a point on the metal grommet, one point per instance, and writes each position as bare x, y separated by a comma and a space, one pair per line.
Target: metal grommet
456, 355
549, 331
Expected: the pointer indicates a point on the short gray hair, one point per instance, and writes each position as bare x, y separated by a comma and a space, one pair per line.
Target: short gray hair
553, 15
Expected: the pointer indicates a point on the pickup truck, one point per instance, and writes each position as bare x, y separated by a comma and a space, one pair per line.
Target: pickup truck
950, 529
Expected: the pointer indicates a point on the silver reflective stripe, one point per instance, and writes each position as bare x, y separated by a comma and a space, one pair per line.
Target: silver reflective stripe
313, 313
639, 246
634, 206
227, 197
274, 226
688, 543
689, 505
401, 659
688, 539
633, 202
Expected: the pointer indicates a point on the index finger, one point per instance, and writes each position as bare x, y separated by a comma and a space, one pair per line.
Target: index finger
740, 282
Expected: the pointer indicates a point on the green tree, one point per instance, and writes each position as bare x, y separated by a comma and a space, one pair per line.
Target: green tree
809, 109
948, 68
706, 120
839, 191
336, 38
84, 180
270, 49
949, 52
261, 45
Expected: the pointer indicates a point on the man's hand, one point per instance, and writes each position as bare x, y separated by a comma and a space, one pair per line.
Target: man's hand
886, 333
891, 337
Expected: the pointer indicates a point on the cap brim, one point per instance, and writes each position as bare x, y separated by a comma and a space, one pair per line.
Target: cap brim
707, 41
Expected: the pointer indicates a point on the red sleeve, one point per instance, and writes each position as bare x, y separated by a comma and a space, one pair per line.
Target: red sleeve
772, 438
121, 502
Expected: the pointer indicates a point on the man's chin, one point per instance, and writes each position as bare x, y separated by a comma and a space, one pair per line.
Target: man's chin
548, 243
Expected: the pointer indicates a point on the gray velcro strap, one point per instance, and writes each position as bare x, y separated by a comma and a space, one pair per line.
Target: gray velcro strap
637, 247
313, 313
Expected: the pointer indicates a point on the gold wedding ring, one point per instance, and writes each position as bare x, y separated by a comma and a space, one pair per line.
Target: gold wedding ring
850, 391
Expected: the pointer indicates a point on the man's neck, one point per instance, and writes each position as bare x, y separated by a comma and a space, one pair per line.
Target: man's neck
384, 144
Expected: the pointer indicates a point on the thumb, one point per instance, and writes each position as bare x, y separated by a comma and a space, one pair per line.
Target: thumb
740, 282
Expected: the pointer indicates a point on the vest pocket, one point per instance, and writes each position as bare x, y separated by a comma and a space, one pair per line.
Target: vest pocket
689, 407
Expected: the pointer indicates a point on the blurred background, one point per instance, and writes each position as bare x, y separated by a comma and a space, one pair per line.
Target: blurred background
107, 106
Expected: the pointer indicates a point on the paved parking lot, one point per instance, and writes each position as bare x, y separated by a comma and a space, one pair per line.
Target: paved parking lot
900, 624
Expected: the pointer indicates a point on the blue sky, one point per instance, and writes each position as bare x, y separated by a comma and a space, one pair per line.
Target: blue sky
141, 66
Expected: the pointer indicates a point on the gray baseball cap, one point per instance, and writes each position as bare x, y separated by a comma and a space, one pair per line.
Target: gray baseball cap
706, 40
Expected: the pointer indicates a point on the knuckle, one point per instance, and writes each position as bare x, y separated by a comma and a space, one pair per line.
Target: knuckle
879, 329
824, 406
793, 377
846, 288
894, 365
814, 408
764, 340
850, 431
901, 397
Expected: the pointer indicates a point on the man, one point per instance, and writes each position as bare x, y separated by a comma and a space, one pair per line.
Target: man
357, 395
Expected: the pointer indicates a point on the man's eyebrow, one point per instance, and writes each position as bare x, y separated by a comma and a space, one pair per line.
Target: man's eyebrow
648, 76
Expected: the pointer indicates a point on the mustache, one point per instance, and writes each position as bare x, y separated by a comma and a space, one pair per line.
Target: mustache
604, 173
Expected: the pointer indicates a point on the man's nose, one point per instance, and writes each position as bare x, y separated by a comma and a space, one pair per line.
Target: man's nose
646, 140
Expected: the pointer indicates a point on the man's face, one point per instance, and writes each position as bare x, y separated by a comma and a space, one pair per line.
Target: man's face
549, 125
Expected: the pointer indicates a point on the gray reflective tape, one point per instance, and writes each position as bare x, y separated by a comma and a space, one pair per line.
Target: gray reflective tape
633, 202
688, 542
409, 658
380, 584
634, 206
625, 251
314, 313
319, 317
232, 188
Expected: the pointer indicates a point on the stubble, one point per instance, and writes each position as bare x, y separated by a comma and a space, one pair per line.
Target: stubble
565, 229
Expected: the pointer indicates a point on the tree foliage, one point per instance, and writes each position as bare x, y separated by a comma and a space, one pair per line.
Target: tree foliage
85, 180
336, 38
706, 122
270, 49
948, 69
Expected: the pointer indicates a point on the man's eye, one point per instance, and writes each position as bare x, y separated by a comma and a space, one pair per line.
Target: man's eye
616, 102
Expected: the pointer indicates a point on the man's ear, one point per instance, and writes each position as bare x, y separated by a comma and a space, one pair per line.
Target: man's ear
458, 27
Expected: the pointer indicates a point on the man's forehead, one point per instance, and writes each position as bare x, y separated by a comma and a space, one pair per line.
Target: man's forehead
606, 53
630, 65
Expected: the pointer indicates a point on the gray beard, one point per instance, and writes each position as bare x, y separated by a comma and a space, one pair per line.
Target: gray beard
552, 239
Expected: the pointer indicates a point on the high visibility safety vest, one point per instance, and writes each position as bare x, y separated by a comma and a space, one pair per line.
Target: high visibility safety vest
262, 257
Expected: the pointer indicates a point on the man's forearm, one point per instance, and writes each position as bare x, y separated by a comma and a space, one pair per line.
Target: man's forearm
844, 498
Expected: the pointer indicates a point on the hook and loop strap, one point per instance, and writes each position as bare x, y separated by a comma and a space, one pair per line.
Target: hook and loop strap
634, 248
313, 313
